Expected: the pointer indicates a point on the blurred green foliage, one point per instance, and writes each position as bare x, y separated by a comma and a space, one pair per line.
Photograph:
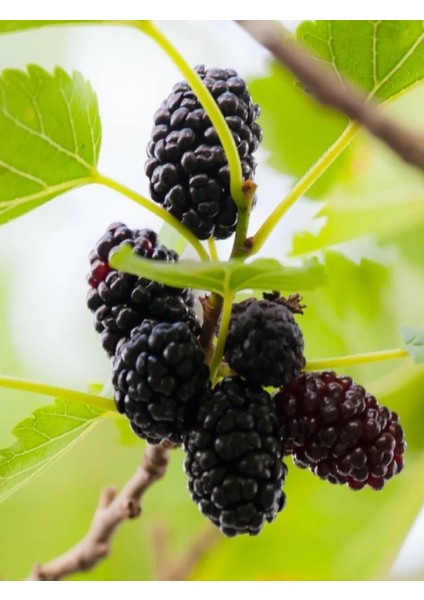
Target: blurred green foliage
297, 130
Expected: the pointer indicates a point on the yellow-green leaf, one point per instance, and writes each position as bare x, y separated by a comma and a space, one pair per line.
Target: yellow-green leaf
41, 439
50, 137
222, 277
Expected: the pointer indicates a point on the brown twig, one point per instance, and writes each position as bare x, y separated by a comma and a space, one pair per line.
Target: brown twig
112, 510
212, 306
168, 569
333, 91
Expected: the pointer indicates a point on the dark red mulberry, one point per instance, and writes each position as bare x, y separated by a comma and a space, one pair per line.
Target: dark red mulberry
335, 428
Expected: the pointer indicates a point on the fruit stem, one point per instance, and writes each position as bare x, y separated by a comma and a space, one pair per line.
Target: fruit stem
14, 383
222, 335
208, 102
157, 210
355, 359
241, 246
303, 185
213, 253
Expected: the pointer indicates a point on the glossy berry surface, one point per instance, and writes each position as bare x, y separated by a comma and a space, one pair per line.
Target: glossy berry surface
187, 166
160, 377
121, 301
233, 458
335, 428
264, 343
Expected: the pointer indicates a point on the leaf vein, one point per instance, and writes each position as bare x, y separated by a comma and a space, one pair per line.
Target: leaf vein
45, 138
23, 174
398, 66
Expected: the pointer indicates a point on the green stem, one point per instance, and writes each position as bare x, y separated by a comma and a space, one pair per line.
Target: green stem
208, 102
155, 209
240, 248
13, 383
303, 186
212, 249
355, 359
222, 336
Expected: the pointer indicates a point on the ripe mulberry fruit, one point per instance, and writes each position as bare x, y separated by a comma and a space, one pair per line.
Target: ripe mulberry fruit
264, 343
121, 301
187, 165
159, 376
233, 461
335, 428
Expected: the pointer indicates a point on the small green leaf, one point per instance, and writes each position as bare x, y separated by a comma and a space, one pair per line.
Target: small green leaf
414, 343
222, 277
269, 274
50, 137
41, 439
384, 58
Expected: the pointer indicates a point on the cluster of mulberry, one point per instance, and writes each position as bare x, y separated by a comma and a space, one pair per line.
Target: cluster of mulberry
151, 332
236, 433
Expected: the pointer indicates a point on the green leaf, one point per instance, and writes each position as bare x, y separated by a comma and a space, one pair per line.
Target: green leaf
384, 58
414, 343
41, 439
222, 277
50, 137
297, 129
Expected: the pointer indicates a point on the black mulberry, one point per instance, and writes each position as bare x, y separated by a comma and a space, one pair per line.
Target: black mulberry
121, 301
264, 343
187, 165
233, 462
159, 377
335, 428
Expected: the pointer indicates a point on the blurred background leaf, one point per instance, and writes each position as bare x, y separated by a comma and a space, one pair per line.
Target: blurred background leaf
297, 130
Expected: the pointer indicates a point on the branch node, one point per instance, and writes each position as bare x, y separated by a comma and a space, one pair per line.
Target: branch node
132, 509
249, 189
